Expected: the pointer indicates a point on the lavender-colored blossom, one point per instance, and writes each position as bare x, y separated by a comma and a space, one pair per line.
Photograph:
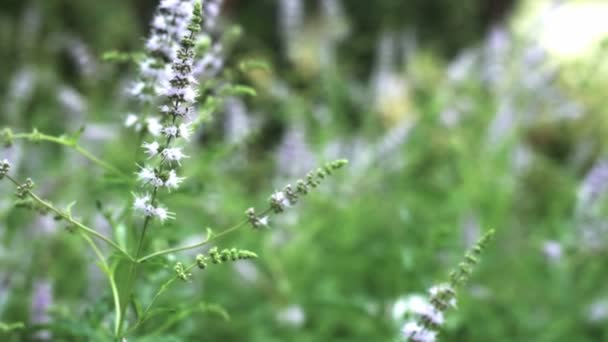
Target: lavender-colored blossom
291, 20
292, 315
294, 156
552, 250
237, 125
42, 300
595, 183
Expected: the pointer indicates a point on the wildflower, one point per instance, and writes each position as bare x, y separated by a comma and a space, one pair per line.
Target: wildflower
255, 220
173, 154
130, 120
211, 10
595, 183
173, 181
151, 149
597, 311
176, 85
170, 131
147, 175
263, 221
292, 315
552, 250
185, 131
162, 214
278, 201
41, 307
154, 126
136, 89
418, 333
141, 202
442, 297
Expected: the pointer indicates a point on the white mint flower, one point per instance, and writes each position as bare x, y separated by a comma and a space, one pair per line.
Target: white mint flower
151, 148
165, 109
173, 181
173, 154
146, 175
433, 315
552, 250
169, 4
141, 202
154, 126
130, 120
417, 333
190, 95
149, 210
137, 88
438, 290
159, 22
280, 198
263, 221
170, 131
185, 131
154, 43
162, 214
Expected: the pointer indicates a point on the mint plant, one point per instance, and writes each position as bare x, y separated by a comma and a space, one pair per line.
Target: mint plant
177, 55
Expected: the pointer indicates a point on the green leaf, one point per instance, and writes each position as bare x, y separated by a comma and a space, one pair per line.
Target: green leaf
8, 327
254, 64
120, 231
239, 90
121, 57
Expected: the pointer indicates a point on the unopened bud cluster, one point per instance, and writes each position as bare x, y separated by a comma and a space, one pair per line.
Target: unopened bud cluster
425, 327
5, 167
182, 272
216, 256
281, 200
24, 189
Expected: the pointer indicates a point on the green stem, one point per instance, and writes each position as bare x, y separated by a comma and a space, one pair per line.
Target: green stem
161, 290
106, 269
37, 136
66, 216
196, 245
133, 270
199, 244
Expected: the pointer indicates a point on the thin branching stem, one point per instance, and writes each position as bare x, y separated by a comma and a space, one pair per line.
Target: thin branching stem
161, 290
68, 217
37, 136
199, 244
108, 272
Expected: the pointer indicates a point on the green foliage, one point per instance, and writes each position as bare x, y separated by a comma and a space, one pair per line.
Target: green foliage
433, 162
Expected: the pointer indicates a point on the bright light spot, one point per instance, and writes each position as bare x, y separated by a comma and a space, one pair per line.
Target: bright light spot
574, 30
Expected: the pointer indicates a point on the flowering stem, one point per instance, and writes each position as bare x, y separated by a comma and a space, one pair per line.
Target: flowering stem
133, 270
199, 244
68, 217
37, 136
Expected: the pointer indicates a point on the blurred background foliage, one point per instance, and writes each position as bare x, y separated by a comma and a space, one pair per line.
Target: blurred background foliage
456, 116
